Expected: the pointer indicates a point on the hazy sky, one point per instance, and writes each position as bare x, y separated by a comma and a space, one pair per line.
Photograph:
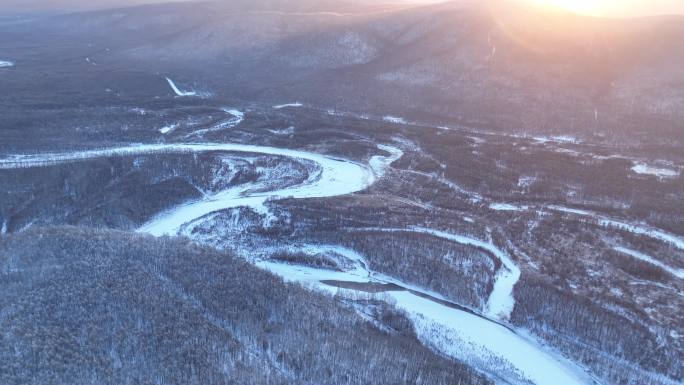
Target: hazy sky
613, 8
619, 8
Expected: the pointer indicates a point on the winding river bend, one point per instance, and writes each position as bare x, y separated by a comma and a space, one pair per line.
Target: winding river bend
508, 355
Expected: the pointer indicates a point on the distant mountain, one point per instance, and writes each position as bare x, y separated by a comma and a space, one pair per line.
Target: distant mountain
65, 6
495, 66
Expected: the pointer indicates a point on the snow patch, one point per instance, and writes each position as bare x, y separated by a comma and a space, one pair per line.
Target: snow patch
394, 119
526, 181
178, 91
281, 106
167, 129
236, 113
557, 139
506, 207
283, 131
645, 169
379, 164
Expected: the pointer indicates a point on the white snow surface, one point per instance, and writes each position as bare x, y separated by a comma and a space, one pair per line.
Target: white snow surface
281, 106
283, 131
489, 345
457, 333
236, 113
679, 273
394, 119
6, 63
167, 129
557, 139
379, 164
506, 207
645, 169
178, 91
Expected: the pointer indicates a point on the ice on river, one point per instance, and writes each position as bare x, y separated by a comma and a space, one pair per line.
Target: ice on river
490, 346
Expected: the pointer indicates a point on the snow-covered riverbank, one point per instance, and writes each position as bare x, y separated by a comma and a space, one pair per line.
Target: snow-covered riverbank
334, 177
494, 348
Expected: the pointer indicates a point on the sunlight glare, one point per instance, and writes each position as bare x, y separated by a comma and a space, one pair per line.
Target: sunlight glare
586, 7
615, 8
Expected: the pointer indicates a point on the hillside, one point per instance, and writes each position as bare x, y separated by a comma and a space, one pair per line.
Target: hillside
82, 306
504, 68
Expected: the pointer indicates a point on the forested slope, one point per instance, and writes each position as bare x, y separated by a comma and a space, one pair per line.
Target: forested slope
83, 306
